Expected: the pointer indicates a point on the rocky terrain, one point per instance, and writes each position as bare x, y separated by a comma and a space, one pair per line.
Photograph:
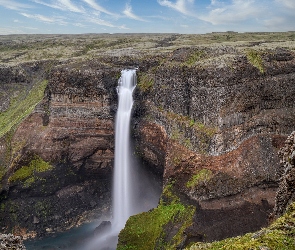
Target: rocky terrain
10, 242
211, 113
281, 232
285, 193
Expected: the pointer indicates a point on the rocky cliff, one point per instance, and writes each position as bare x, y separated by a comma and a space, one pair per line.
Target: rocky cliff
285, 193
281, 231
221, 122
58, 160
208, 119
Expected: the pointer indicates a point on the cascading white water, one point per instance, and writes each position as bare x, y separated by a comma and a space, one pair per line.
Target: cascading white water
128, 197
123, 190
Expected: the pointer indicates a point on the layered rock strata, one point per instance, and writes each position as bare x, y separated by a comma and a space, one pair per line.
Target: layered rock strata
60, 157
221, 126
208, 119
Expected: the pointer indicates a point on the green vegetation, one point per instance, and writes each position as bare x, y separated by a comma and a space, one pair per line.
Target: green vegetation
20, 48
204, 133
186, 121
207, 130
145, 82
194, 57
21, 107
176, 134
28, 174
42, 208
278, 236
149, 230
254, 57
202, 176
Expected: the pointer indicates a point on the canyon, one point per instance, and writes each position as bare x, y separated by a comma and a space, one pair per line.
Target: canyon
211, 112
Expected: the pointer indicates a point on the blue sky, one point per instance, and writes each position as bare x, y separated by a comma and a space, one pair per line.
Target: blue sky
144, 16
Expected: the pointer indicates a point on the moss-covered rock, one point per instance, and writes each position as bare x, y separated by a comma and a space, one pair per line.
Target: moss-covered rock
203, 175
21, 106
29, 174
254, 57
160, 228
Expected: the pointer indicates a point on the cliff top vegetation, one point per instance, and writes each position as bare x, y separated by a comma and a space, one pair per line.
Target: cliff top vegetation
15, 49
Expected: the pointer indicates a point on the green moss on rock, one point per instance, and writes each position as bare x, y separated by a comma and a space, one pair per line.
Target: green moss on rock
202, 176
20, 107
194, 57
151, 230
145, 82
280, 235
254, 57
28, 174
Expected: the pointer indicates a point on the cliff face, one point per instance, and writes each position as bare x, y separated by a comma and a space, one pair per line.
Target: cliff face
280, 233
222, 123
57, 163
210, 120
285, 193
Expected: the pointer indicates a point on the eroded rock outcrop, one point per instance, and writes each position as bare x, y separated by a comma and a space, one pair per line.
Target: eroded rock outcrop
286, 190
10, 242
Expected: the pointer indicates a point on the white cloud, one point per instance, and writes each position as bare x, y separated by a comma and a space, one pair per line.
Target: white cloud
70, 6
10, 4
99, 22
279, 23
238, 10
179, 5
97, 7
128, 12
214, 2
79, 25
65, 5
123, 27
45, 19
274, 22
287, 3
31, 28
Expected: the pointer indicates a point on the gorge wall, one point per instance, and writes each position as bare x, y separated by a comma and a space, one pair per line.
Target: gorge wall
210, 120
59, 160
216, 129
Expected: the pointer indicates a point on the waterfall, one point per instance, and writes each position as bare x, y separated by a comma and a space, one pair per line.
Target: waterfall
123, 196
134, 190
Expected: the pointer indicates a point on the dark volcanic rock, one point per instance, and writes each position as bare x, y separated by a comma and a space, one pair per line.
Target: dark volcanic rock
286, 191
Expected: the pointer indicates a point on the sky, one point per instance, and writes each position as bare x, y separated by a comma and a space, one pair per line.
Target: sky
145, 16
